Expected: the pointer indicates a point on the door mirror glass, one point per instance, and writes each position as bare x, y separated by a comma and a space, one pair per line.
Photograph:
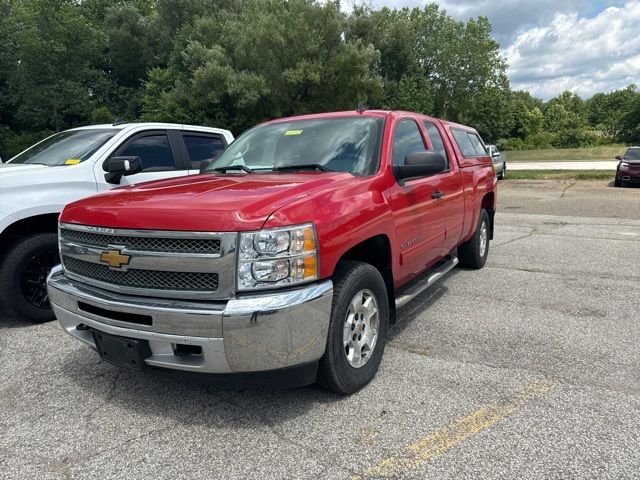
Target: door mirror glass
118, 167
420, 164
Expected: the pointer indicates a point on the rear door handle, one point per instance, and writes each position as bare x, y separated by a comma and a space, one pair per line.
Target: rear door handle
437, 194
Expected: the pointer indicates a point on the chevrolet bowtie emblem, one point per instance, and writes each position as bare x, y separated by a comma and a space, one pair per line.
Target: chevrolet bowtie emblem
115, 258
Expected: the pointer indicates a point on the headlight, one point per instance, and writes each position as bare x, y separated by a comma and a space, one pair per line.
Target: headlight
624, 166
275, 257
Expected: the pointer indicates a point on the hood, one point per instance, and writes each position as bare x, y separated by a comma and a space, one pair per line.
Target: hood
7, 169
208, 202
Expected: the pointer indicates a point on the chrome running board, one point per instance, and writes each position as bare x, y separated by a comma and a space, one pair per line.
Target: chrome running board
424, 281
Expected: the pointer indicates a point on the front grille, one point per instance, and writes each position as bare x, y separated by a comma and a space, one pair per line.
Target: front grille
146, 244
157, 280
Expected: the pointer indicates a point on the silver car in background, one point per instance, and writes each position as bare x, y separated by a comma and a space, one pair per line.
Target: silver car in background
499, 161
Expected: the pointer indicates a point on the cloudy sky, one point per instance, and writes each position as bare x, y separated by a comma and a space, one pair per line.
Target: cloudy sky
585, 46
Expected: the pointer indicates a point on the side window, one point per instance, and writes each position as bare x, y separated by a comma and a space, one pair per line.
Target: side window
407, 140
154, 151
478, 146
436, 140
202, 148
464, 143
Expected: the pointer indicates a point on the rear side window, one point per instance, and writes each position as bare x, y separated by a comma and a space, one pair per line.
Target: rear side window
477, 144
407, 140
436, 140
154, 151
202, 148
468, 143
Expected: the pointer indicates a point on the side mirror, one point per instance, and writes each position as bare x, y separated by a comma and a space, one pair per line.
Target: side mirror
618, 157
495, 154
420, 164
118, 167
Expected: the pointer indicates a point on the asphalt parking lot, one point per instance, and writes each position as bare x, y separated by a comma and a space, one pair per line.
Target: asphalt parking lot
528, 368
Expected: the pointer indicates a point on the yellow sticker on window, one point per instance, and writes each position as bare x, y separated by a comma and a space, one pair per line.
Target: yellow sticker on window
293, 132
72, 161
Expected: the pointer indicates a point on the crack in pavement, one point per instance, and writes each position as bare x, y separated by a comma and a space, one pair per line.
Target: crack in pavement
532, 232
560, 379
593, 275
271, 427
564, 190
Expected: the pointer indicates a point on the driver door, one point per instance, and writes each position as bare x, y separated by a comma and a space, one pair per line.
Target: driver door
417, 205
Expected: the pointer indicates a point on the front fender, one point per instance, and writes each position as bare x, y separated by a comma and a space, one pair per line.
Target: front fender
344, 216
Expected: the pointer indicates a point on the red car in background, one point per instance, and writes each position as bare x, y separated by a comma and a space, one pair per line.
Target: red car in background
628, 171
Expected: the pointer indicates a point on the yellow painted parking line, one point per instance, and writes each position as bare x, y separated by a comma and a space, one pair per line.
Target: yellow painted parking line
437, 443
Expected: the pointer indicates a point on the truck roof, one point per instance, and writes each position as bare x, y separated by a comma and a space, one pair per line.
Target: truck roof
365, 113
152, 125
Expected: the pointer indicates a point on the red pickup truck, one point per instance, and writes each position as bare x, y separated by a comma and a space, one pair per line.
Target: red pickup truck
286, 259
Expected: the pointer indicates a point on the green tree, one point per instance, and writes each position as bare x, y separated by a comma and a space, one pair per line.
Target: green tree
267, 59
48, 87
556, 118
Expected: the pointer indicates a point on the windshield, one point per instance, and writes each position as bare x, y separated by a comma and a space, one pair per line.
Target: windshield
338, 144
66, 148
632, 154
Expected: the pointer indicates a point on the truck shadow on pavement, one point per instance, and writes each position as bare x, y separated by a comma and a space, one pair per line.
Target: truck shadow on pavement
113, 390
7, 321
410, 312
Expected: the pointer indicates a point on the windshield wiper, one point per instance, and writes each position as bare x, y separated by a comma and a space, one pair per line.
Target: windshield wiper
306, 166
244, 168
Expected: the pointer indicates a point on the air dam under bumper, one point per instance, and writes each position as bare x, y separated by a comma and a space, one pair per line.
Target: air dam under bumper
254, 333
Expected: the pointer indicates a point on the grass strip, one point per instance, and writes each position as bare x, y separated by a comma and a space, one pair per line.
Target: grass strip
561, 174
603, 152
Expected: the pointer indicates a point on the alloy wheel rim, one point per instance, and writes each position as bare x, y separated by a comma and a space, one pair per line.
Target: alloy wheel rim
484, 235
33, 282
360, 331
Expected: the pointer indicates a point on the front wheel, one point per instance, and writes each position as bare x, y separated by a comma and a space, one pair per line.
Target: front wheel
358, 328
473, 253
23, 276
617, 183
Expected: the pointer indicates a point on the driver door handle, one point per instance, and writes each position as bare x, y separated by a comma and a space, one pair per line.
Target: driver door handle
437, 194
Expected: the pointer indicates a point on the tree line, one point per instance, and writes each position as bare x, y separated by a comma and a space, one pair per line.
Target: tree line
233, 63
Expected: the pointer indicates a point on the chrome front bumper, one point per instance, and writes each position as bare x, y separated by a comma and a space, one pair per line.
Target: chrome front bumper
245, 334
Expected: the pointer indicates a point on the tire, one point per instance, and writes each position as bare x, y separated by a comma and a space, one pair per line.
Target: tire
617, 183
471, 253
503, 173
342, 369
23, 276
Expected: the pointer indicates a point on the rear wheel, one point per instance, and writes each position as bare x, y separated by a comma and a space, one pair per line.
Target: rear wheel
358, 328
473, 253
23, 276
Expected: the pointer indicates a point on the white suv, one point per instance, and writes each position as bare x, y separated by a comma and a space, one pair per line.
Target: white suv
36, 184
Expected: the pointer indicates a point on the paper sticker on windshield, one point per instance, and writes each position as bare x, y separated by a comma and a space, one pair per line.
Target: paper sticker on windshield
72, 161
293, 132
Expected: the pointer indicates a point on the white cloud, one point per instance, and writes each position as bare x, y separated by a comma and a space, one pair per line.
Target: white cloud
556, 45
508, 16
584, 55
